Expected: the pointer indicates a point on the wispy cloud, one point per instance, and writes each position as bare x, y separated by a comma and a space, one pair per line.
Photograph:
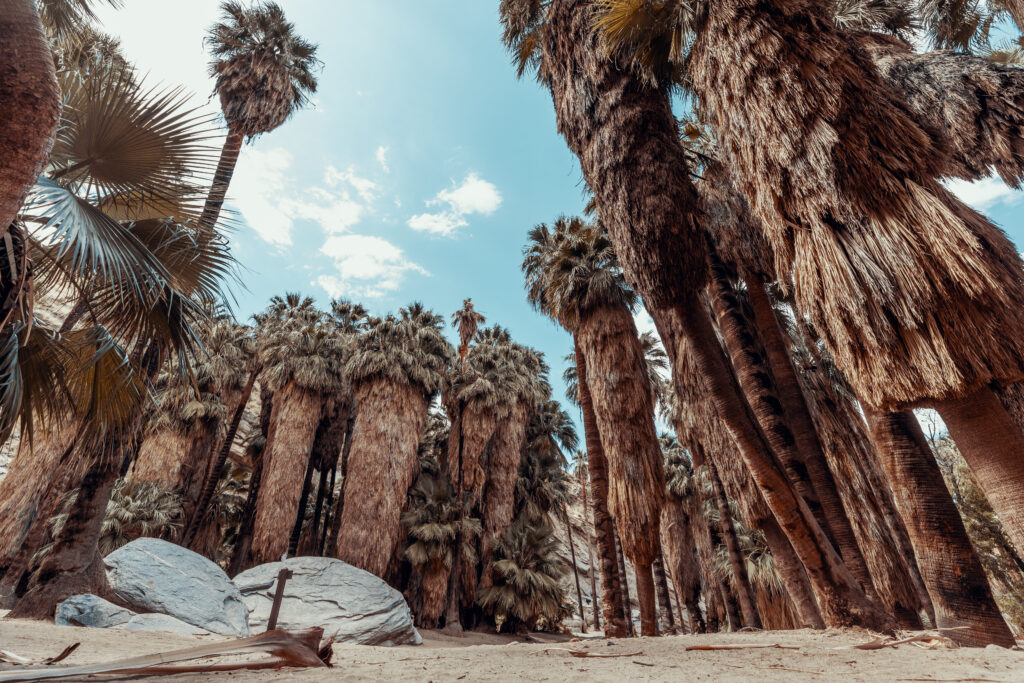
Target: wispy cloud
367, 266
382, 158
984, 194
473, 196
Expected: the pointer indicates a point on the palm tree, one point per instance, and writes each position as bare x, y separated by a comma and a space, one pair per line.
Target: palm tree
581, 472
677, 535
573, 276
303, 354
632, 161
264, 74
466, 320
29, 108
396, 369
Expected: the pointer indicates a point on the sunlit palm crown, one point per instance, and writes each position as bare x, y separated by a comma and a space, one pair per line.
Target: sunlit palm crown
263, 69
300, 344
466, 320
571, 269
66, 20
499, 372
408, 348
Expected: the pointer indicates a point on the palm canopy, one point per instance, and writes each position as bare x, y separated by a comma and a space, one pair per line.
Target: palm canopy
301, 344
498, 372
264, 70
571, 269
466, 320
408, 348
68, 19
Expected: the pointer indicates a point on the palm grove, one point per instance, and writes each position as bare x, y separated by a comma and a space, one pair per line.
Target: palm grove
811, 280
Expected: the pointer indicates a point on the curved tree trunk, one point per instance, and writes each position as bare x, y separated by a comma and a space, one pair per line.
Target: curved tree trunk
74, 566
294, 420
626, 137
993, 447
807, 443
381, 468
222, 178
29, 104
964, 608
611, 589
744, 591
240, 553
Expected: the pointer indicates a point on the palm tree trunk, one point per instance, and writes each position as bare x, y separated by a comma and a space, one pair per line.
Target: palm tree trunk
681, 554
222, 178
240, 553
296, 415
664, 595
300, 512
322, 547
331, 549
806, 441
575, 569
501, 470
627, 601
29, 104
381, 468
611, 590
314, 544
964, 608
791, 571
590, 554
646, 594
744, 591
74, 566
993, 447
216, 469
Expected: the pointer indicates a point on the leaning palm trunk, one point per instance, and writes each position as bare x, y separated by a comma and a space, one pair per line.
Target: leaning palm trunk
381, 468
624, 409
611, 588
502, 469
222, 178
296, 414
916, 295
681, 560
628, 148
29, 104
964, 608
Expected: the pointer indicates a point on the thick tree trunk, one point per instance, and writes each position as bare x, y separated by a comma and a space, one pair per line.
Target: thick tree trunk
964, 608
788, 565
74, 566
501, 469
575, 569
993, 447
216, 468
381, 468
29, 104
295, 417
624, 408
744, 591
590, 554
611, 589
807, 443
222, 179
627, 601
664, 594
626, 137
646, 595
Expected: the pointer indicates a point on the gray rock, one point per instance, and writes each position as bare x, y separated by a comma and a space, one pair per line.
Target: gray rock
353, 604
94, 611
153, 575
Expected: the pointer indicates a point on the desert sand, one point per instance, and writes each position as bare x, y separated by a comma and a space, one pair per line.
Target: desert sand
819, 656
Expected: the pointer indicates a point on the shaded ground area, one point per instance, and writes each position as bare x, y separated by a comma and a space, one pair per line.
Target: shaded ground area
818, 656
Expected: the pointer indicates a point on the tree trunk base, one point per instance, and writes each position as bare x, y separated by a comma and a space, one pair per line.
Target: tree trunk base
41, 600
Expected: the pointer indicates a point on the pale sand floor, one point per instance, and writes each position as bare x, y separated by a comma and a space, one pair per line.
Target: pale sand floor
821, 656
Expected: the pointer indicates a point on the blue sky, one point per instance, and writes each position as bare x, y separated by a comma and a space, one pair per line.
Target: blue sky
419, 170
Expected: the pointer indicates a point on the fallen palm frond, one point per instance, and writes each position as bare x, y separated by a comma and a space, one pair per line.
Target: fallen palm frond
584, 653
300, 649
927, 639
776, 646
11, 658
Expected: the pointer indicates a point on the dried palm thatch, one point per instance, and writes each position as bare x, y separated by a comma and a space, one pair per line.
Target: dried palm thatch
976, 104
681, 560
296, 414
381, 468
914, 293
737, 234
502, 466
23, 490
478, 424
625, 414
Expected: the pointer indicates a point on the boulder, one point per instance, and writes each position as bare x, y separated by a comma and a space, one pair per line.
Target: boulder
153, 575
94, 611
354, 605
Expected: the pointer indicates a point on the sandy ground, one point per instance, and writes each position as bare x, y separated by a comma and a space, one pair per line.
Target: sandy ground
818, 656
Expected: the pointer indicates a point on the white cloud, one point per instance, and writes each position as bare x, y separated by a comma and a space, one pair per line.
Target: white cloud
366, 189
382, 158
367, 266
983, 194
473, 195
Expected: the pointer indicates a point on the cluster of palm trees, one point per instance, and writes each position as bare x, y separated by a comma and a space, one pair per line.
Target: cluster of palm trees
812, 281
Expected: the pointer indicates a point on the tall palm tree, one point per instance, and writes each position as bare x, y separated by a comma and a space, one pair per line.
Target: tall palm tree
466, 320
581, 472
396, 369
631, 159
677, 535
264, 74
573, 276
303, 354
